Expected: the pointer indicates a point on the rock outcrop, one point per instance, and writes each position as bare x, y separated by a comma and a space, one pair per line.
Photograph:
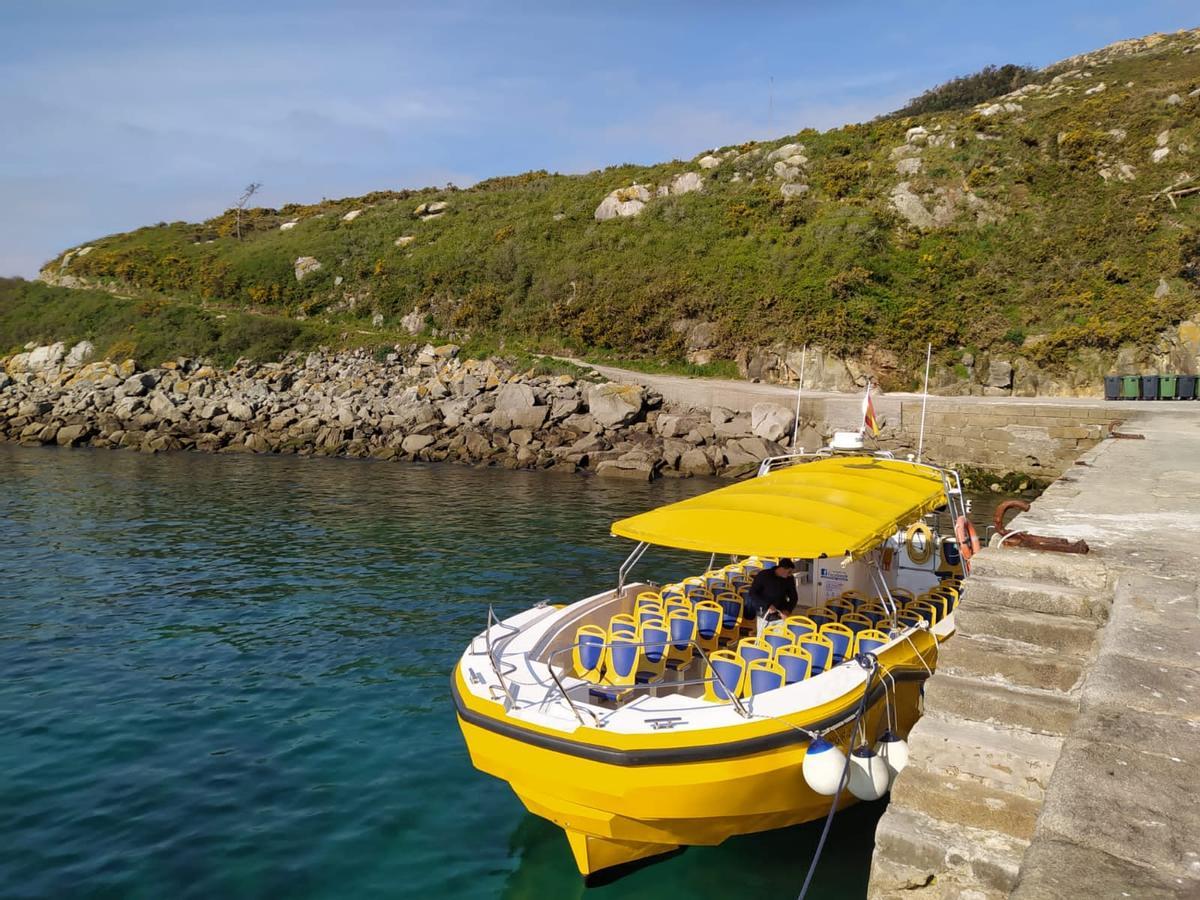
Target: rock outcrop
419, 403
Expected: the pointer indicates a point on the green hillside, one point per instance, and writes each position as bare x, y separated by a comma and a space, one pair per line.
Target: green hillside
1038, 225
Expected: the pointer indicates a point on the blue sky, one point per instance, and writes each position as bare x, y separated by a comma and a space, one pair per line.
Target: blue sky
117, 114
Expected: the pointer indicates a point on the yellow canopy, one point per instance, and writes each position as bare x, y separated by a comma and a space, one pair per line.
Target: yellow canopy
829, 507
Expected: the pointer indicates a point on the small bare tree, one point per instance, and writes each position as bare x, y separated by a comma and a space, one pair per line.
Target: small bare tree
250, 191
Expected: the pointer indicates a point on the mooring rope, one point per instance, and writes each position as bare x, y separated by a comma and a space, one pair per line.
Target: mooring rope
871, 664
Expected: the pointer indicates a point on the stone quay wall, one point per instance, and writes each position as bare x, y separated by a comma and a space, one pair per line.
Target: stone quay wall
1043, 438
1057, 753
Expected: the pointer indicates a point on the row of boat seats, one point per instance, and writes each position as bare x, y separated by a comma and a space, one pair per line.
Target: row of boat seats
788, 652
726, 587
859, 611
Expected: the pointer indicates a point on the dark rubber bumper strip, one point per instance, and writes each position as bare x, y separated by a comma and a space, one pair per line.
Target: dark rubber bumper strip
667, 755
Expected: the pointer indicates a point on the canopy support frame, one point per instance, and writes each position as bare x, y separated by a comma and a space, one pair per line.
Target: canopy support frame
630, 561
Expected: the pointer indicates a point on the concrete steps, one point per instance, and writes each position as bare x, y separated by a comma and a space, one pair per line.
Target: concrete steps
1005, 694
1002, 661
1038, 712
1036, 596
941, 861
1055, 633
967, 775
1035, 566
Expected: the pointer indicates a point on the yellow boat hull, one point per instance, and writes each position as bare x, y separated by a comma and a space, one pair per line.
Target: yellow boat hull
625, 797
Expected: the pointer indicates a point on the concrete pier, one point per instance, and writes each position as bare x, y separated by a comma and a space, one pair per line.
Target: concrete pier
1036, 435
1058, 755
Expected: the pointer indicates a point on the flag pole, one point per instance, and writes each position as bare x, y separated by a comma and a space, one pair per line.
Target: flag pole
799, 388
924, 401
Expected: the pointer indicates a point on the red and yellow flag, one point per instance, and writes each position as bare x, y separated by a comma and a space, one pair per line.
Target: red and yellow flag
870, 423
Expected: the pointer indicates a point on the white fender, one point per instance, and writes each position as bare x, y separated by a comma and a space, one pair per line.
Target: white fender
893, 751
823, 766
869, 776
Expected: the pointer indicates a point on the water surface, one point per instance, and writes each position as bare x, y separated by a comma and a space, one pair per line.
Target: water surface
227, 676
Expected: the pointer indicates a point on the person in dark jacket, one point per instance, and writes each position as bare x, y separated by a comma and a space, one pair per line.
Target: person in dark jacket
773, 593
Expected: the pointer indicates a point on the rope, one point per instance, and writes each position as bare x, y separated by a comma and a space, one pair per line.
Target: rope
868, 662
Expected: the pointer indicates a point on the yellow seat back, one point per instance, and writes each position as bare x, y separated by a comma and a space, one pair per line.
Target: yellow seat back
763, 675
681, 625
870, 640
724, 676
842, 639
796, 662
587, 656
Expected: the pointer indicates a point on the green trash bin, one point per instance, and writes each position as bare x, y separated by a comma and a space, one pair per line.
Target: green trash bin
1166, 386
1129, 387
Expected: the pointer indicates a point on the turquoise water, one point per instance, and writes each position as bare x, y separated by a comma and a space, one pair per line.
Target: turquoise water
228, 677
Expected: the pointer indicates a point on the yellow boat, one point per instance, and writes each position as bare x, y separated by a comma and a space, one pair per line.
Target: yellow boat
649, 717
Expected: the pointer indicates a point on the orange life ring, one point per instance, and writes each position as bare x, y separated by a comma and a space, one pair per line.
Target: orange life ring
968, 540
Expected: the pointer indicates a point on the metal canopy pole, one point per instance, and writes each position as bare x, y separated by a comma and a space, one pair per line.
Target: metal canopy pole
924, 401
799, 388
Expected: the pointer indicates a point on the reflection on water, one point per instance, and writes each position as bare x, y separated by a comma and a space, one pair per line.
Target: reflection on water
228, 676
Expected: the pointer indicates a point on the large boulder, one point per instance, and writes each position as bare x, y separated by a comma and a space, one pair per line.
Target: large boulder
528, 417
47, 357
431, 210
686, 183
771, 421
239, 410
910, 207
695, 462
635, 466
623, 203
1000, 374
613, 405
738, 426
80, 354
305, 266
787, 151
515, 395
415, 443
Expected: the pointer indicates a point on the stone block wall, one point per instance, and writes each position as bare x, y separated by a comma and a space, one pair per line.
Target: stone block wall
1021, 437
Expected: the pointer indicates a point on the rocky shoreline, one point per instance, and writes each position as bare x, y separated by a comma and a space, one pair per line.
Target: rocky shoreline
411, 403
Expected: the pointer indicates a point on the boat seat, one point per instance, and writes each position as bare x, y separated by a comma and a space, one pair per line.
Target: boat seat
681, 626
876, 612
777, 634
842, 639
907, 618
799, 625
925, 609
671, 592
857, 622
752, 648
796, 662
709, 617
820, 615
940, 602
653, 637
723, 677
819, 649
622, 623
731, 611
870, 640
587, 656
762, 675
841, 606
622, 661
